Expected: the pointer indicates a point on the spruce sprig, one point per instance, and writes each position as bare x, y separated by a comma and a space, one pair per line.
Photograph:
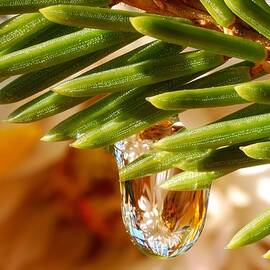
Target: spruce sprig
49, 40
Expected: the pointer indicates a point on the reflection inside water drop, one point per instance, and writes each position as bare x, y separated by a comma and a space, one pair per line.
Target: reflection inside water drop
161, 223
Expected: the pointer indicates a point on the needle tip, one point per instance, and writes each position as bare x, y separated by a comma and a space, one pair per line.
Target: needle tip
232, 245
266, 255
13, 119
50, 138
45, 11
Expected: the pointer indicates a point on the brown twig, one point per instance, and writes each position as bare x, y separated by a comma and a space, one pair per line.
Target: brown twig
170, 7
195, 4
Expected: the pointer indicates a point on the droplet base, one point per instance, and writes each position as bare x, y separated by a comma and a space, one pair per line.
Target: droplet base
162, 223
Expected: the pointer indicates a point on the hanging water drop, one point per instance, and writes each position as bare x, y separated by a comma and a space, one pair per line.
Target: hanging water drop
160, 223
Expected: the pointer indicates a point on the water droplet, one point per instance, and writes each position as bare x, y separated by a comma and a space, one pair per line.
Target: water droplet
160, 223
